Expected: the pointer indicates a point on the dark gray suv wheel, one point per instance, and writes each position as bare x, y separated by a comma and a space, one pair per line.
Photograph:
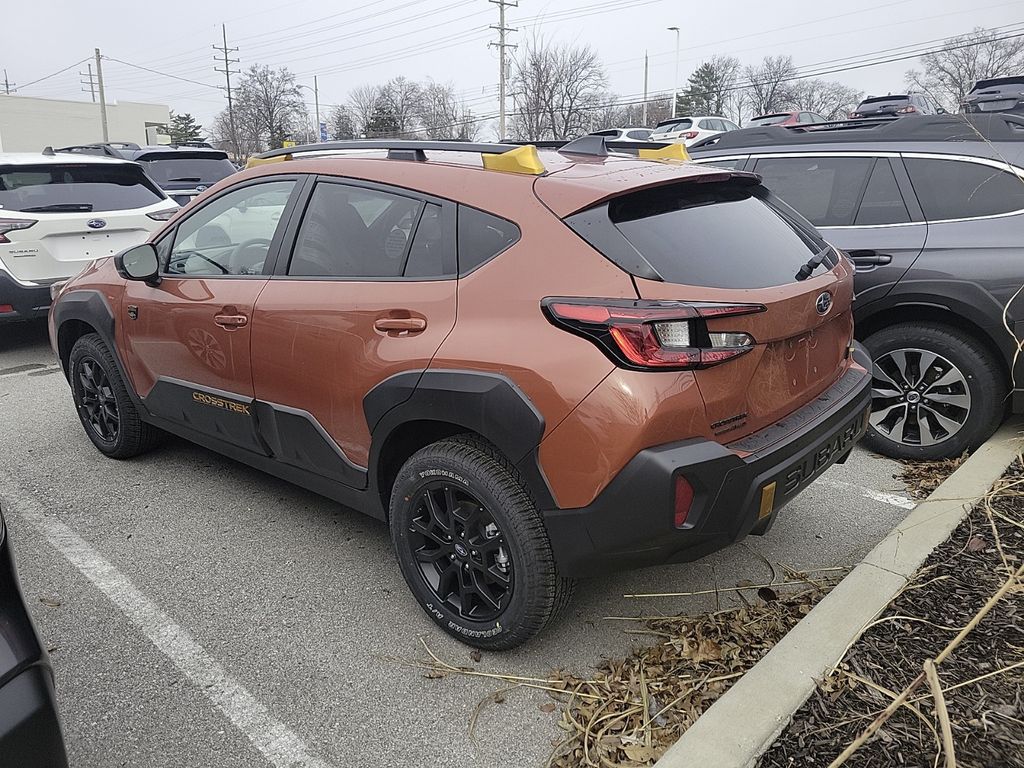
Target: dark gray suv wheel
937, 392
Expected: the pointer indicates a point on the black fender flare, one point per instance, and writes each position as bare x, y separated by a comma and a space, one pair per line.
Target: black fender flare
488, 404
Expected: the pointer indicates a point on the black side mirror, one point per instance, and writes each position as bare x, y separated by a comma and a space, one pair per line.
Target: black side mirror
139, 263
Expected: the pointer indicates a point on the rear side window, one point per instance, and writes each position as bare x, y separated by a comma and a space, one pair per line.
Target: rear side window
953, 189
716, 235
75, 188
883, 202
825, 190
482, 236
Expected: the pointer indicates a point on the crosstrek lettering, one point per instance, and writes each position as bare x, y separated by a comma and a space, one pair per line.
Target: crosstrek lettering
220, 402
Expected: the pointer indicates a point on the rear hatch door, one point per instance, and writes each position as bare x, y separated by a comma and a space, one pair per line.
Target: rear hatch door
70, 214
731, 242
1000, 94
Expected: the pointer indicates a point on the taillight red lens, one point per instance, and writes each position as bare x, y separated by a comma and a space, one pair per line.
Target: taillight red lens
683, 500
12, 225
691, 135
653, 335
906, 110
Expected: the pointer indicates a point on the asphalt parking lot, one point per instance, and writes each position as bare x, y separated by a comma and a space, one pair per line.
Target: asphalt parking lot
201, 613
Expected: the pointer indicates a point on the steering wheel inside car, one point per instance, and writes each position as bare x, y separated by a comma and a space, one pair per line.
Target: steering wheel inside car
242, 263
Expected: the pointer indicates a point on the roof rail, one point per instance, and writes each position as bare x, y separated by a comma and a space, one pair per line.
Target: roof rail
514, 158
598, 146
946, 127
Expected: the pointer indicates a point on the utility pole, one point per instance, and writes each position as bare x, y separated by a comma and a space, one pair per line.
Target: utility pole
103, 95
502, 47
316, 101
675, 78
228, 72
90, 80
8, 85
645, 89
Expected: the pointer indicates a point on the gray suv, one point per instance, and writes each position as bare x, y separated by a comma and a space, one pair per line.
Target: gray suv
931, 211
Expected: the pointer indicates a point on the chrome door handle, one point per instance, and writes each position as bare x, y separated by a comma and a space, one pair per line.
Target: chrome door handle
230, 321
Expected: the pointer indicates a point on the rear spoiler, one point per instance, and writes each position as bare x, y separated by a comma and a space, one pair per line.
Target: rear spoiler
599, 146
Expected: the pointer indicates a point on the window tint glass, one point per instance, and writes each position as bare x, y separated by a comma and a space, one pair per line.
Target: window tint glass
188, 170
75, 188
716, 235
482, 236
427, 257
882, 203
230, 235
950, 189
708, 125
825, 190
730, 125
674, 125
609, 132
730, 162
639, 135
354, 232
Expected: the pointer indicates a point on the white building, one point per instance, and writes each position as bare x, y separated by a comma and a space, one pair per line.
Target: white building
28, 124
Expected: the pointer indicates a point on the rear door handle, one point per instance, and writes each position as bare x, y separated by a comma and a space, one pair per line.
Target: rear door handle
230, 321
411, 324
870, 258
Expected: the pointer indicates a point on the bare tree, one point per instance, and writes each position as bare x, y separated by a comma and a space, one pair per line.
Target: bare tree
556, 88
443, 115
268, 105
951, 72
246, 138
830, 99
362, 103
710, 88
402, 97
768, 87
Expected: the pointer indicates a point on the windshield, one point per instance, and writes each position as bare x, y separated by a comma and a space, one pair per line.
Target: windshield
75, 188
767, 120
188, 170
678, 125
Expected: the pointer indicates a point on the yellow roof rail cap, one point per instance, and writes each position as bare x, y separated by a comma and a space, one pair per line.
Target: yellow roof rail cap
523, 159
671, 152
254, 161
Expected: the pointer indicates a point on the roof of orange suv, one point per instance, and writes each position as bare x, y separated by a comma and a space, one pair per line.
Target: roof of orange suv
569, 182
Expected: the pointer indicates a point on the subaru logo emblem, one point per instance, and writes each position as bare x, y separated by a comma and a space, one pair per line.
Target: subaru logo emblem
823, 303
95, 223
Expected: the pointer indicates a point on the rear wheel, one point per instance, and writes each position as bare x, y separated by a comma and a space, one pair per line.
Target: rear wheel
936, 392
101, 398
472, 545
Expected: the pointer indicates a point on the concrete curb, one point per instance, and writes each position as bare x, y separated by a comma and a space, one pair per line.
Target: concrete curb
744, 722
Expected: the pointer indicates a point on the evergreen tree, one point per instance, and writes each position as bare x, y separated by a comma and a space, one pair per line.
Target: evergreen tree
184, 128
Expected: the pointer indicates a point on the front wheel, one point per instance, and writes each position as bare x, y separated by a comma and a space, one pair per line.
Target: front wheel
106, 410
936, 392
472, 545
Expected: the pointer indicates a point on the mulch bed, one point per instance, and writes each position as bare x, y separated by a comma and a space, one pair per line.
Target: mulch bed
923, 477
982, 678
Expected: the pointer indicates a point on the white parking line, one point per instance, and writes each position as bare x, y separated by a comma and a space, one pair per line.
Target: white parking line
894, 499
279, 744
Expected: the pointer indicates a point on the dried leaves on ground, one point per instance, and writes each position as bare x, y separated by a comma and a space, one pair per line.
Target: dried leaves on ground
980, 721
923, 477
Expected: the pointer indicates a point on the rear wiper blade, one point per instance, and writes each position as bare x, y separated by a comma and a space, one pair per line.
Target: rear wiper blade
187, 178
813, 263
59, 208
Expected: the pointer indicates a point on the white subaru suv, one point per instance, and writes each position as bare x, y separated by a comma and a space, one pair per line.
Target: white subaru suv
58, 213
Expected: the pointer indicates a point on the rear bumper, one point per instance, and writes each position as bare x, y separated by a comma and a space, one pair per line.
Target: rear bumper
631, 523
28, 300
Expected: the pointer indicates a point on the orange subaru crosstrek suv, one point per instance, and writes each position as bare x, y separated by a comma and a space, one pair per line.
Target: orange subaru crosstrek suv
534, 365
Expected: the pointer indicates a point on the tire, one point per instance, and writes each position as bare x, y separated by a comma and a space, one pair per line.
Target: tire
495, 541
964, 374
104, 407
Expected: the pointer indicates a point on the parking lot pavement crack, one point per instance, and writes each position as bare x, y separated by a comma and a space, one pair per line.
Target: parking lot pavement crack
281, 746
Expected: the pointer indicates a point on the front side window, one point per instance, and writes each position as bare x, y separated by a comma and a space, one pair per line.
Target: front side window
355, 232
883, 202
954, 189
824, 190
75, 188
230, 235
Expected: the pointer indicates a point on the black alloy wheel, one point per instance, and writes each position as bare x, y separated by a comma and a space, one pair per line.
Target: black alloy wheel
460, 552
97, 401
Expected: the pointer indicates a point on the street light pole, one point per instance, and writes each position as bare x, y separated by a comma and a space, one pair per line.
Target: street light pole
675, 78
316, 100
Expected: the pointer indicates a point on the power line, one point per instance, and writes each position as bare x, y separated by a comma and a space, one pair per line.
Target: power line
58, 72
162, 74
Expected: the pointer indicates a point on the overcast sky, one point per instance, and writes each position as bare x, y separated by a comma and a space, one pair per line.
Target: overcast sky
349, 44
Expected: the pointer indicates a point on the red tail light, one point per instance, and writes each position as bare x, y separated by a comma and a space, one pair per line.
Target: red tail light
11, 225
683, 500
906, 110
653, 335
690, 134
